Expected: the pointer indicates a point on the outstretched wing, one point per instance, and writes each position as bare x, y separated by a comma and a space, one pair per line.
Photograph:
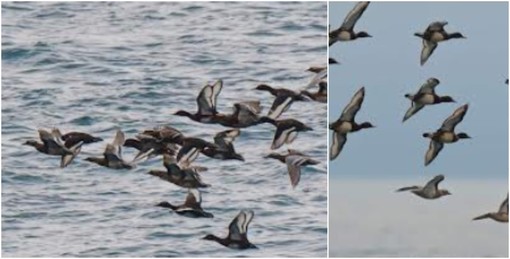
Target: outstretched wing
412, 110
427, 50
207, 97
353, 16
437, 26
239, 226
429, 86
503, 208
294, 163
193, 199
454, 119
225, 138
280, 104
337, 145
353, 107
432, 185
434, 149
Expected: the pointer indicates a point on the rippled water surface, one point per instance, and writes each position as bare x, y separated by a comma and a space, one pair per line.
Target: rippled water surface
93, 67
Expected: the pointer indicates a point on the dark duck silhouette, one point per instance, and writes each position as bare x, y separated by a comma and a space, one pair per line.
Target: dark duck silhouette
346, 123
237, 237
112, 155
287, 131
294, 161
346, 30
284, 98
191, 208
434, 34
225, 151
178, 174
445, 134
206, 102
52, 145
72, 138
425, 96
147, 144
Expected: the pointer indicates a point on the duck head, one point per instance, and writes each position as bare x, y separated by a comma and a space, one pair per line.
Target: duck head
446, 99
183, 113
456, 35
366, 125
211, 237
166, 204
31, 143
463, 135
363, 34
444, 192
264, 87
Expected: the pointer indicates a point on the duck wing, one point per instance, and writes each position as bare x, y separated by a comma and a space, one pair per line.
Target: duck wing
427, 50
317, 79
412, 110
354, 105
194, 199
48, 139
65, 160
353, 16
437, 26
337, 145
207, 97
170, 134
118, 142
429, 86
280, 105
294, 163
434, 149
432, 186
238, 228
454, 119
409, 188
247, 112
225, 138
503, 208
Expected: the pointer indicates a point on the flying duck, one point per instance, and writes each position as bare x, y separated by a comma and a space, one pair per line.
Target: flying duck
321, 95
190, 147
283, 100
346, 31
429, 191
500, 216
425, 96
191, 207
112, 156
445, 134
247, 114
434, 34
72, 138
206, 102
225, 148
294, 160
145, 143
346, 124
237, 237
183, 176
287, 131
52, 145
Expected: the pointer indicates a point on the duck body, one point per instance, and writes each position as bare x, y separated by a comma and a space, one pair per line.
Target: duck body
446, 134
294, 161
426, 95
191, 208
500, 216
72, 138
346, 31
434, 34
186, 177
112, 155
238, 229
430, 191
52, 145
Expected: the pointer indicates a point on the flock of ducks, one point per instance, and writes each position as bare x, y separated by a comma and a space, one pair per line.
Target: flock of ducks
179, 151
425, 96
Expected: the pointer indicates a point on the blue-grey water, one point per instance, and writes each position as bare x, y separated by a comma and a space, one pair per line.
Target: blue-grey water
94, 67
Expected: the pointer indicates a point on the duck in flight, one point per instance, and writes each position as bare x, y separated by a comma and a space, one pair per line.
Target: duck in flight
145, 143
206, 102
425, 96
321, 95
346, 123
191, 208
181, 175
237, 232
294, 161
430, 190
112, 156
445, 134
225, 151
73, 138
500, 216
52, 145
287, 131
434, 34
346, 30
284, 98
